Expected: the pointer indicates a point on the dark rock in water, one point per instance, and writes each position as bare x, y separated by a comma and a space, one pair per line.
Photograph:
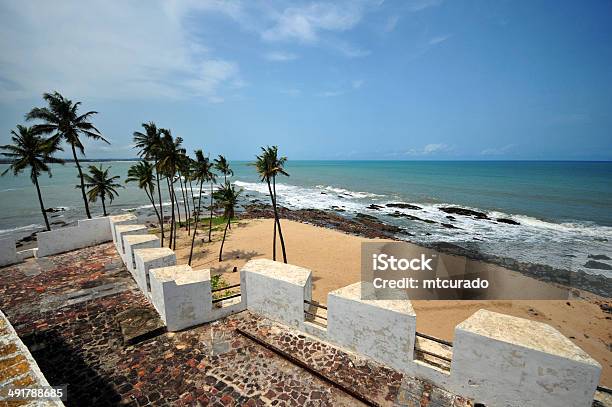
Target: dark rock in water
600, 239
449, 226
450, 217
597, 265
402, 205
508, 221
323, 193
58, 223
599, 257
52, 210
375, 207
365, 216
397, 214
464, 212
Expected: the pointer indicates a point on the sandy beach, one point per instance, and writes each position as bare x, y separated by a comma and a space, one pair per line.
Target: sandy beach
334, 258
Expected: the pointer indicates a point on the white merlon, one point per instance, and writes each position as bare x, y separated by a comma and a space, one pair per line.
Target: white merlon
277, 290
8, 252
382, 329
134, 242
181, 296
504, 360
125, 230
147, 259
125, 219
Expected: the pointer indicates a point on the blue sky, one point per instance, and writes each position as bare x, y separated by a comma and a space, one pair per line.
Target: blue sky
357, 79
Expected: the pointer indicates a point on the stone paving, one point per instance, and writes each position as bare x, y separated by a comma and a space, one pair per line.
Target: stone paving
69, 309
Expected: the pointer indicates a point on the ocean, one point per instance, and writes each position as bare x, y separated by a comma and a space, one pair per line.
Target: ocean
564, 209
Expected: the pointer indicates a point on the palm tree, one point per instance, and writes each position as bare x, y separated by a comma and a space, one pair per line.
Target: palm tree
150, 144
223, 167
201, 172
268, 165
183, 172
101, 184
30, 149
61, 118
142, 173
169, 158
227, 197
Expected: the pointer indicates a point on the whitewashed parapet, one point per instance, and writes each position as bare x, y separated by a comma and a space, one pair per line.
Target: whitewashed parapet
124, 230
277, 290
88, 232
8, 252
134, 242
125, 219
181, 296
147, 259
382, 329
501, 360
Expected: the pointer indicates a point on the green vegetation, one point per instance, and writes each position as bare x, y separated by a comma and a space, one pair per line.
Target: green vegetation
31, 150
101, 184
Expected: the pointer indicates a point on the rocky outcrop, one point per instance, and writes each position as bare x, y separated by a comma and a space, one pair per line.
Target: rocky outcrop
454, 210
402, 205
507, 221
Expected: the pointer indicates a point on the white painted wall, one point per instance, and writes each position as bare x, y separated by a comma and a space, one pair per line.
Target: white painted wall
88, 232
381, 329
134, 242
124, 219
181, 296
277, 290
8, 253
125, 230
147, 259
501, 360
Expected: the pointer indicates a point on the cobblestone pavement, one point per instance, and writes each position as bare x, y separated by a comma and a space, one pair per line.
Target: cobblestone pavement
67, 309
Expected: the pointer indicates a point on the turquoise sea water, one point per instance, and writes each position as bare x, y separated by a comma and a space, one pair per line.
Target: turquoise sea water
564, 208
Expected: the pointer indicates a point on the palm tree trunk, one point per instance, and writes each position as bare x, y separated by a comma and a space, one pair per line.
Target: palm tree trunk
150, 196
211, 213
161, 207
190, 189
185, 203
172, 214
178, 207
195, 227
274, 208
274, 191
40, 201
229, 219
277, 221
103, 206
76, 161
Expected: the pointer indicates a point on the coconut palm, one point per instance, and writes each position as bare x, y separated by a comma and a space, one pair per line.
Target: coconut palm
150, 143
268, 165
101, 184
227, 197
200, 172
222, 165
142, 173
169, 158
30, 149
62, 119
183, 174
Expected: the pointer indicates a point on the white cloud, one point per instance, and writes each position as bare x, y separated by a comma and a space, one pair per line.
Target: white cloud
331, 93
135, 50
305, 23
429, 149
497, 150
279, 56
439, 39
357, 83
391, 23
